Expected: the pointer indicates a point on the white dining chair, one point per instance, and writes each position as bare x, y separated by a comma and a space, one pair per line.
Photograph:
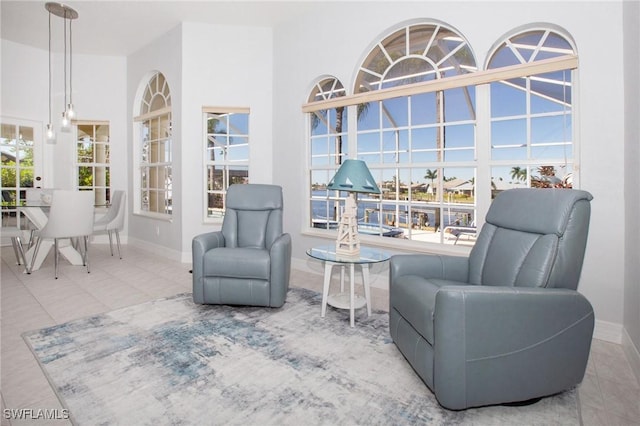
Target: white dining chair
113, 221
71, 216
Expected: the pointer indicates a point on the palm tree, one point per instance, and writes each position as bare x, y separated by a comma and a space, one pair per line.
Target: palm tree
431, 175
518, 173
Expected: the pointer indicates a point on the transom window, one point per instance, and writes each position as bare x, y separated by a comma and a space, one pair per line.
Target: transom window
154, 156
226, 155
431, 126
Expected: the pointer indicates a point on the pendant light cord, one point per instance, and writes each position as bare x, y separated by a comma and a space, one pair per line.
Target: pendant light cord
49, 68
65, 61
70, 62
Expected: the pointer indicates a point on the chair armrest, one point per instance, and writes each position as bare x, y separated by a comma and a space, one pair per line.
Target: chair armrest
502, 337
455, 268
280, 254
199, 246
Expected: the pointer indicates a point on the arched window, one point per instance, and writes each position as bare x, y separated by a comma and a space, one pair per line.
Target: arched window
154, 156
531, 116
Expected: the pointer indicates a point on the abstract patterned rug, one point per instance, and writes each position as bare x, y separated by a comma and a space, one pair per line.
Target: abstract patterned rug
171, 362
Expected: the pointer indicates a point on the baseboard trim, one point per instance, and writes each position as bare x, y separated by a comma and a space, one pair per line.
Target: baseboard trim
632, 352
156, 249
608, 331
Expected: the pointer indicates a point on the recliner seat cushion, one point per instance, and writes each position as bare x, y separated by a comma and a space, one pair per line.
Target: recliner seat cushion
247, 263
414, 298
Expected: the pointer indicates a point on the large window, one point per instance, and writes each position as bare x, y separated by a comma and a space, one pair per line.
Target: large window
441, 136
421, 147
226, 155
92, 160
154, 154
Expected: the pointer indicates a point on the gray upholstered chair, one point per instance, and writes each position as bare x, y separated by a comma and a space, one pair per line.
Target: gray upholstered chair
506, 324
247, 262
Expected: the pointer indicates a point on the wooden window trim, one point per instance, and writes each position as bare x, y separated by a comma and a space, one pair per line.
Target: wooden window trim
472, 79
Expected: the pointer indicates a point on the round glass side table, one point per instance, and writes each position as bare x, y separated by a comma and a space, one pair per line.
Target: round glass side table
347, 300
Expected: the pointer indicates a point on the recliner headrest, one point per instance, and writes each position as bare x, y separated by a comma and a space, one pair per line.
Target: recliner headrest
536, 210
254, 197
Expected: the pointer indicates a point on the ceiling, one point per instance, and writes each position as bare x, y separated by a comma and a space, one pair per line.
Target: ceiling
122, 27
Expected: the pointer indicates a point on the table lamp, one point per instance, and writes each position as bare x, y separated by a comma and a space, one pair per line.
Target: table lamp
353, 176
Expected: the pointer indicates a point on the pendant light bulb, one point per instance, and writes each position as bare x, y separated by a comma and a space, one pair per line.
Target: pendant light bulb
65, 124
71, 112
50, 134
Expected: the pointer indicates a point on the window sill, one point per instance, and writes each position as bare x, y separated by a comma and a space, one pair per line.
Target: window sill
156, 216
395, 244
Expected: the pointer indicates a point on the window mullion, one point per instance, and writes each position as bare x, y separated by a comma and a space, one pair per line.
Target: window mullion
483, 152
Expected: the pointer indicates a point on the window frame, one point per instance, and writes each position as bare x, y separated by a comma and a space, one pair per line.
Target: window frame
155, 88
225, 163
99, 202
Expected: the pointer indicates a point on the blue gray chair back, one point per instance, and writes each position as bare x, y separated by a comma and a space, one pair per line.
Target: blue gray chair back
532, 238
253, 217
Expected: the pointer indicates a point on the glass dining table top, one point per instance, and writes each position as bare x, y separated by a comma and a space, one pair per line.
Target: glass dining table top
367, 255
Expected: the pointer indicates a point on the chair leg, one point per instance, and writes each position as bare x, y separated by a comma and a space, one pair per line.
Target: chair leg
20, 255
55, 255
86, 253
35, 254
14, 243
118, 241
31, 238
110, 241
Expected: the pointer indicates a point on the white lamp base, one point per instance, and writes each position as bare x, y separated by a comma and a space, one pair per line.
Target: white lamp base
348, 243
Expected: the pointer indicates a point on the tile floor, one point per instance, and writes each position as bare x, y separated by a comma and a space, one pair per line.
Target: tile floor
609, 395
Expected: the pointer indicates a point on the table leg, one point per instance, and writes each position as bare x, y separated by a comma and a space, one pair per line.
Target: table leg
328, 266
365, 283
352, 296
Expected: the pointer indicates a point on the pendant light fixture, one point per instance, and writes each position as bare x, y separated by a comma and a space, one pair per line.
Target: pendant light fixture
51, 134
68, 14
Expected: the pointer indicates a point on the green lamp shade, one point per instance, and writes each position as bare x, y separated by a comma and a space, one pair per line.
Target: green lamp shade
354, 176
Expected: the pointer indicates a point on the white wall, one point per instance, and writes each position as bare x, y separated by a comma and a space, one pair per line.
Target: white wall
223, 67
631, 12
334, 39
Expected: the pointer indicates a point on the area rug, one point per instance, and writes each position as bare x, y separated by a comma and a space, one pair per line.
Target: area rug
171, 362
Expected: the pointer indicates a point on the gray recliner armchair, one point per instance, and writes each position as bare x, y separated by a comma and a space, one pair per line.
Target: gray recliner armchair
247, 262
506, 324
